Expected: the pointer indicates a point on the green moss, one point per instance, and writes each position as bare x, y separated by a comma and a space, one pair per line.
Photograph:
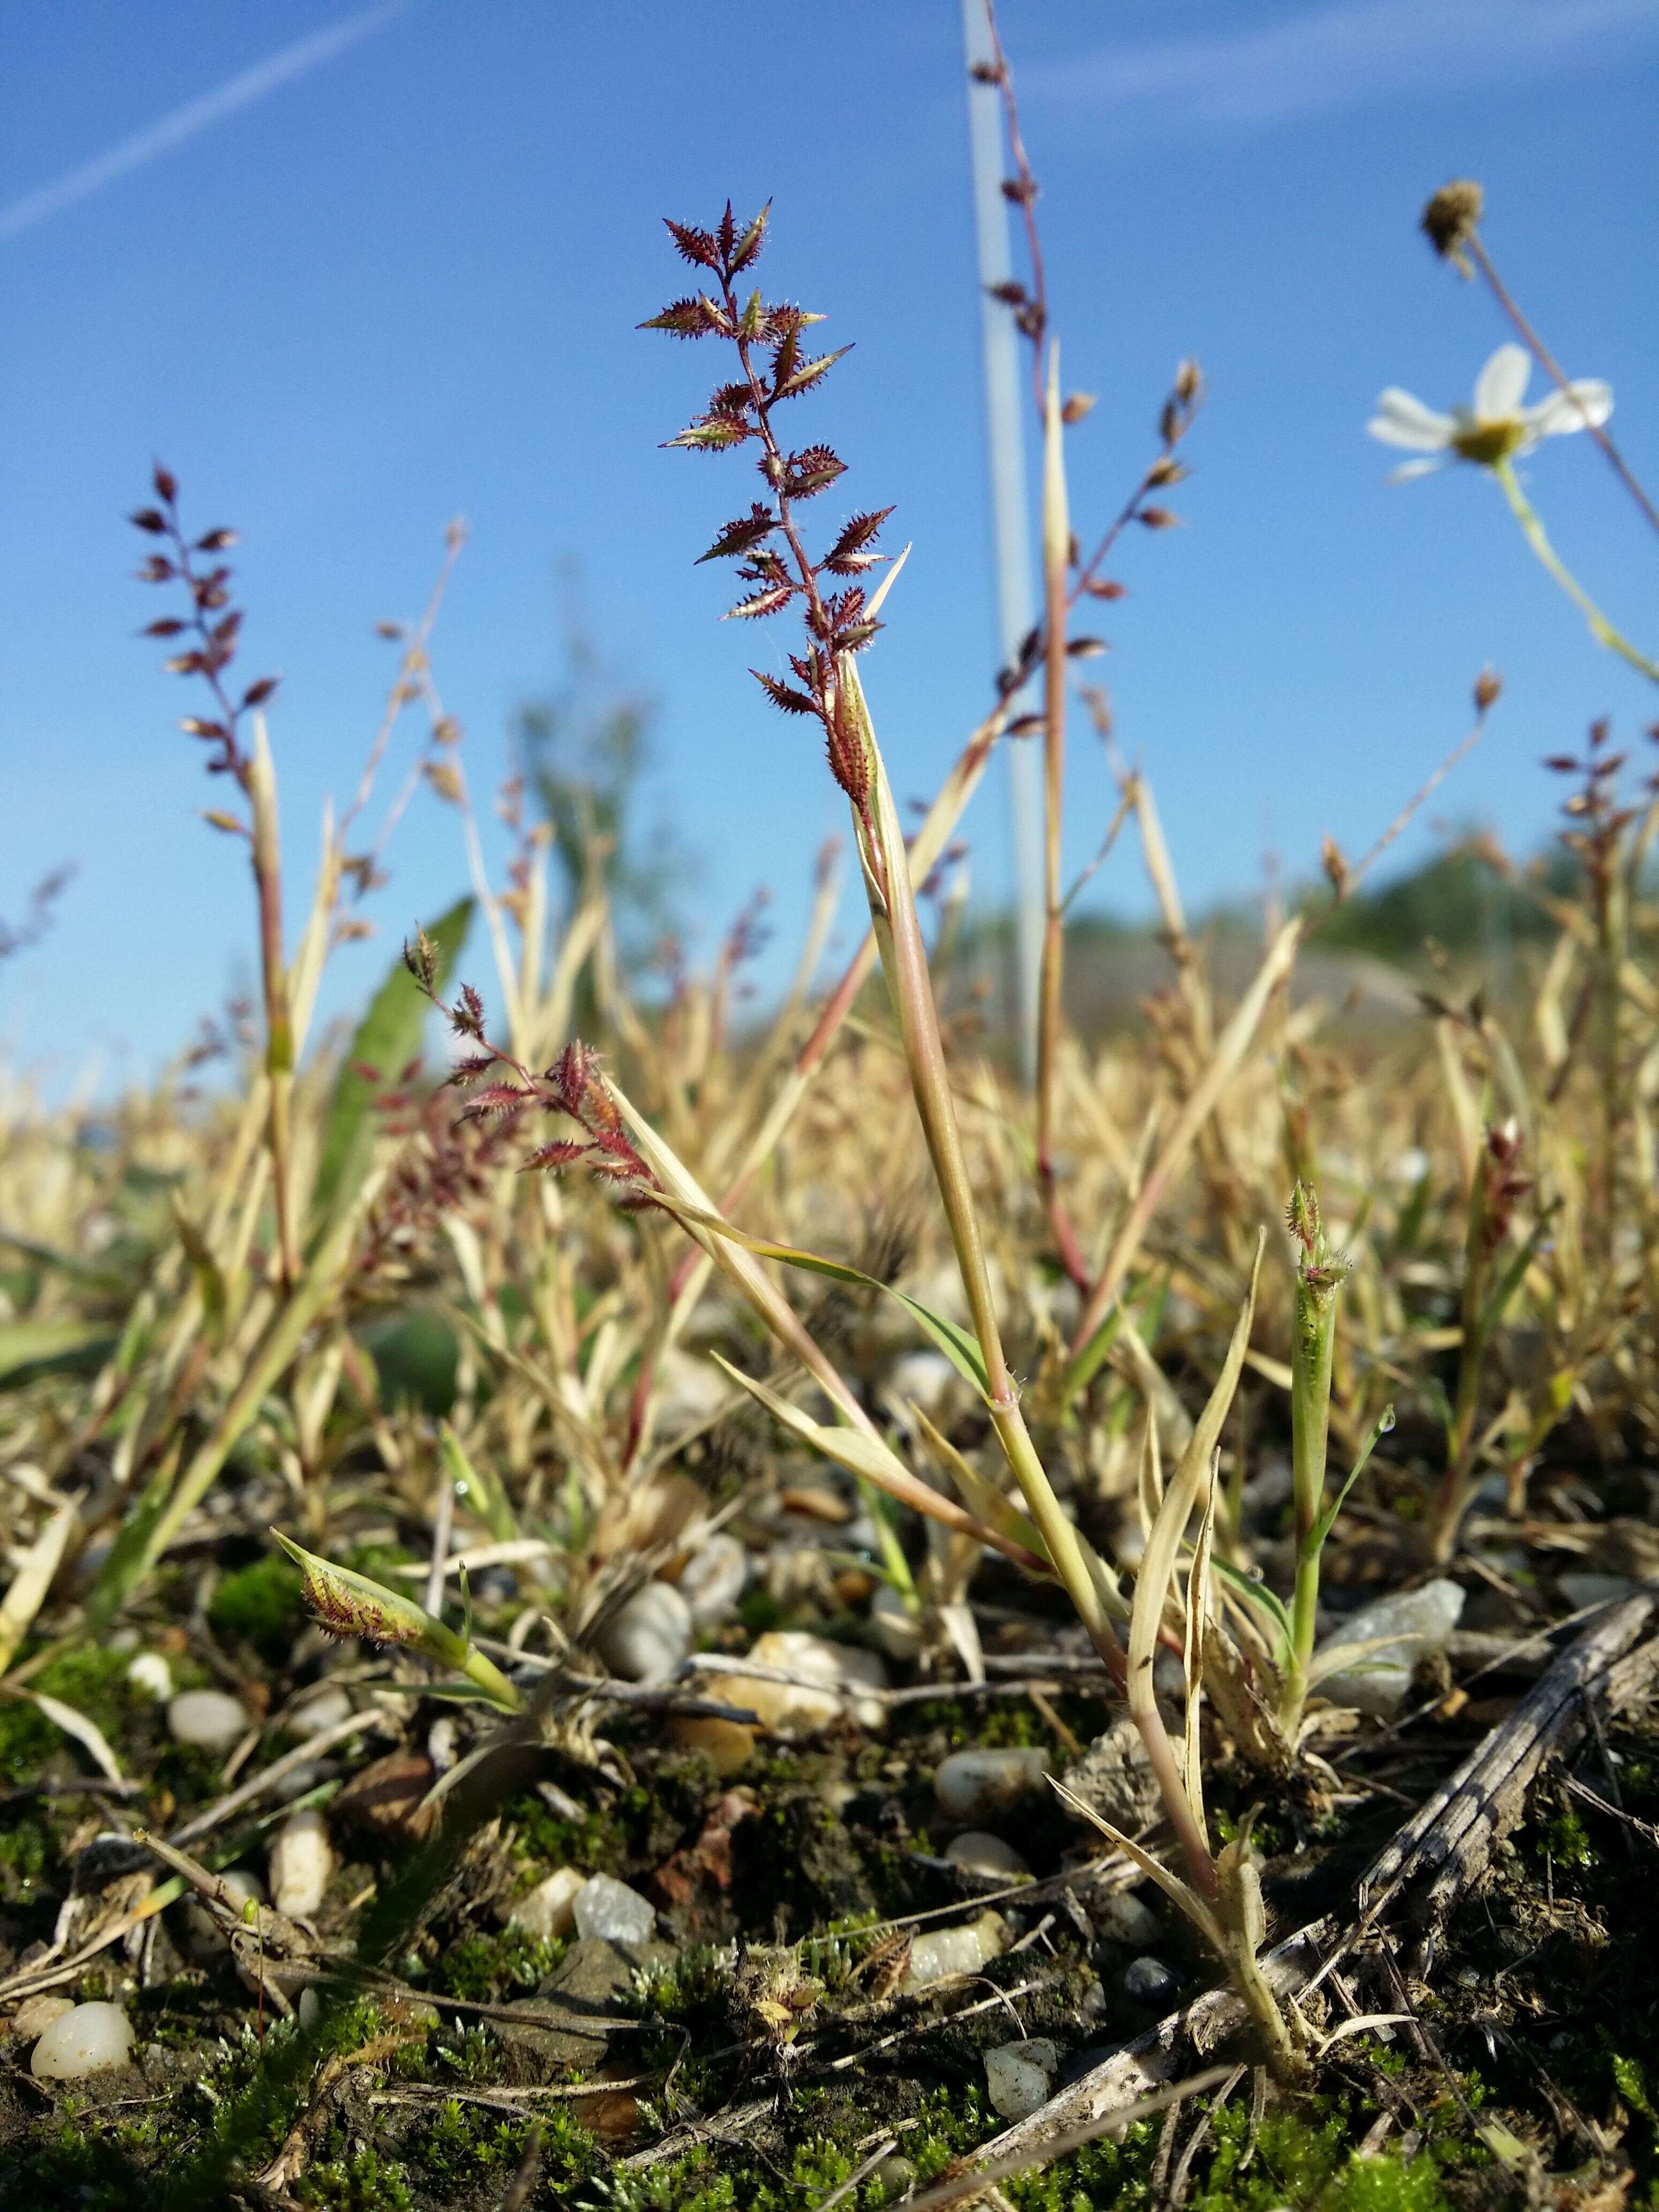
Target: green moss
261, 1602
832, 2133
26, 1853
592, 1846
1630, 2080
1302, 2158
460, 2140
88, 1677
360, 2182
1569, 1843
1004, 1724
693, 1988
637, 1828
759, 1612
485, 1968
459, 2143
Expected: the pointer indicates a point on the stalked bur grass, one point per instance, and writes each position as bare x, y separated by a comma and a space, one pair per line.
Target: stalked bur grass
349, 1604
1222, 1892
205, 638
1222, 1895
1056, 558
1320, 1273
620, 1145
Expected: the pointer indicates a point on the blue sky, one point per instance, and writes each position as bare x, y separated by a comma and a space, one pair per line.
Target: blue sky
352, 273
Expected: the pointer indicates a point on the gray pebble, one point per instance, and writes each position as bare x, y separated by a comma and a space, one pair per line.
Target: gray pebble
1149, 1982
211, 1720
1122, 1919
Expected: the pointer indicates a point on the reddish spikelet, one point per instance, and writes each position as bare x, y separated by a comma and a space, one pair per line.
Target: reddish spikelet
569, 1077
766, 542
563, 1154
496, 1099
212, 624
1505, 1184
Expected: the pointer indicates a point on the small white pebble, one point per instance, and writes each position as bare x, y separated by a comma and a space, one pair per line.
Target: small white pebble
712, 1580
980, 1852
893, 1625
955, 1950
928, 1380
896, 2175
976, 1785
647, 1639
1018, 2075
209, 1719
441, 1742
320, 1710
301, 1865
1394, 1633
606, 1909
83, 2041
548, 1910
150, 1672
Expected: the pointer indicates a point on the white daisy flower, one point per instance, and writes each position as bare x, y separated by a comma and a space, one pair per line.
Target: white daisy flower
1497, 426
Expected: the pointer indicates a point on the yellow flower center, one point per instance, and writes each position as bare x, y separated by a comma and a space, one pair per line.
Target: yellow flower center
1489, 442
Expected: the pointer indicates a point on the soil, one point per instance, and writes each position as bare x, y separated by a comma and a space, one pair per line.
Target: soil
763, 2047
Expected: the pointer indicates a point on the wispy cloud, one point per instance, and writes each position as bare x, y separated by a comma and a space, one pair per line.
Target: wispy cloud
1344, 55
196, 116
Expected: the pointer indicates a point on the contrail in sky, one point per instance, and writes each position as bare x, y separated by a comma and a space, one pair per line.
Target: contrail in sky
195, 115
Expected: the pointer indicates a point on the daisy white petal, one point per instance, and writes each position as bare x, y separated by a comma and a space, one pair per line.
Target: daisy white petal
1425, 467
1587, 404
1502, 384
1403, 420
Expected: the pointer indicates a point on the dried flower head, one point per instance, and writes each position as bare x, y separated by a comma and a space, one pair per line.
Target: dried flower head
1450, 218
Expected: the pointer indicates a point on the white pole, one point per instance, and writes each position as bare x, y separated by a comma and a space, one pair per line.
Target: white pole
1010, 515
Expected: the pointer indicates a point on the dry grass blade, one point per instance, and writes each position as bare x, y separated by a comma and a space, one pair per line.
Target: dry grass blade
28, 1590
78, 1725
